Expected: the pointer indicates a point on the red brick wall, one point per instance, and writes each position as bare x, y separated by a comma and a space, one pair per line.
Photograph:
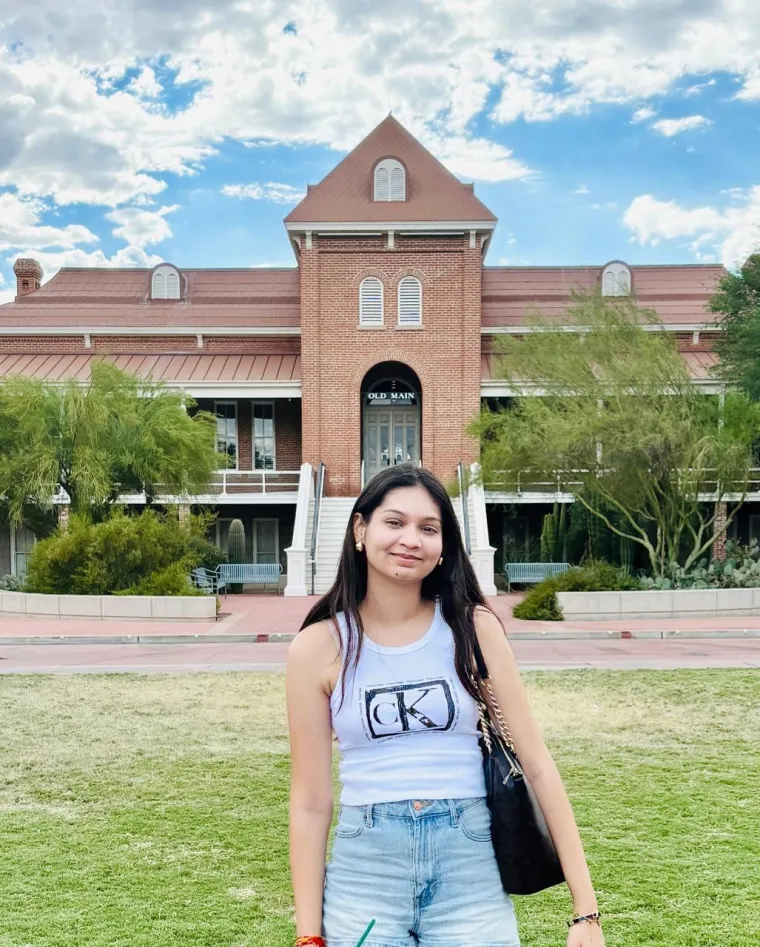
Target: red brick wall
287, 430
336, 353
134, 344
245, 434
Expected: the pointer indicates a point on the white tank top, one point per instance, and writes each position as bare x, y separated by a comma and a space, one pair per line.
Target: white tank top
407, 728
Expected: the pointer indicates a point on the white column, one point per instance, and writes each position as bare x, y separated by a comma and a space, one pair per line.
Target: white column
482, 553
297, 553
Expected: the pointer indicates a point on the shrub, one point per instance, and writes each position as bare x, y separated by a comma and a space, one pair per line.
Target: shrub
11, 583
540, 604
739, 570
122, 554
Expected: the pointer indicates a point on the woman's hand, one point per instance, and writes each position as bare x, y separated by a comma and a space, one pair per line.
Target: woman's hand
585, 934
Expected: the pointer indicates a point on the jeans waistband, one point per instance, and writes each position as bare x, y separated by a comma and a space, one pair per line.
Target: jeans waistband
416, 809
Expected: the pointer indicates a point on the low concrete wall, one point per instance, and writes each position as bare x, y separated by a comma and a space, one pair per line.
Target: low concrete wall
679, 603
120, 607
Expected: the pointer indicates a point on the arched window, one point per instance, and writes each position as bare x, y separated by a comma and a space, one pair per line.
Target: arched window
409, 302
371, 302
616, 280
165, 283
390, 180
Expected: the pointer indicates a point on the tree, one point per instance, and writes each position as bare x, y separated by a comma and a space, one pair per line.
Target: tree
616, 419
114, 435
737, 301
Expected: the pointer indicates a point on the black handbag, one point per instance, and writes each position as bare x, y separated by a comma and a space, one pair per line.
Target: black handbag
525, 852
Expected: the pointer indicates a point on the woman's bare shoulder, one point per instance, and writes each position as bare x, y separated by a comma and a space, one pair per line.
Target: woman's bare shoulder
313, 651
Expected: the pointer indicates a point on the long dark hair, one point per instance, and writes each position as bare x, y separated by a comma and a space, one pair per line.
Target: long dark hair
454, 583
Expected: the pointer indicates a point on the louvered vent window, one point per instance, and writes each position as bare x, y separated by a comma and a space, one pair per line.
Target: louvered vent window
616, 280
390, 180
165, 283
409, 302
371, 302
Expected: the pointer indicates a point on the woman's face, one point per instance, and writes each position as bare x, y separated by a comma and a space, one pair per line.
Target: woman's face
403, 538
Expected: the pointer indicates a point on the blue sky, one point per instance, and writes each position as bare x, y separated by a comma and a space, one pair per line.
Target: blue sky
186, 130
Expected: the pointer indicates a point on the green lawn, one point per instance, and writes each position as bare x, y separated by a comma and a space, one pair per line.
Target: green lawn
151, 811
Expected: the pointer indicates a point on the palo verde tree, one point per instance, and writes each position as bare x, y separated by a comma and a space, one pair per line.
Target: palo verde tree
737, 303
614, 418
113, 435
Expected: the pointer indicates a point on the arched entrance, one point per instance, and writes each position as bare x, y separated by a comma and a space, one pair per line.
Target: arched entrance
391, 418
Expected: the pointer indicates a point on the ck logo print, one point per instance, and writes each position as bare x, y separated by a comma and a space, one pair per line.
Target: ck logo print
395, 709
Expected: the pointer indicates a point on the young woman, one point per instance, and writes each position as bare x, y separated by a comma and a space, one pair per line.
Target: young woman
384, 660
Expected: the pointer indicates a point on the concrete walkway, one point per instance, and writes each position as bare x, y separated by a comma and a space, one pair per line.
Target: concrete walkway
208, 656
271, 618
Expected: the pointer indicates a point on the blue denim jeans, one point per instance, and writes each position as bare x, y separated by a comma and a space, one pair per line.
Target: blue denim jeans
425, 870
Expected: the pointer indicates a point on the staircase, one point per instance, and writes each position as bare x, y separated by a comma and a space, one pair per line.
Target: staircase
333, 519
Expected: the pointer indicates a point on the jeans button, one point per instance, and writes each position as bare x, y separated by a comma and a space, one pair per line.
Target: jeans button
418, 805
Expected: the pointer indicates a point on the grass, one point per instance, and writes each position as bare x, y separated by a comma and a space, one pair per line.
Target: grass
152, 810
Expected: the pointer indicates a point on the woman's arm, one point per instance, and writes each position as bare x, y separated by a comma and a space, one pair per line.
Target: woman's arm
535, 758
311, 793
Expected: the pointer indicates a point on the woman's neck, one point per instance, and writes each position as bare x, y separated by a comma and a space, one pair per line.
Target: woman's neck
391, 603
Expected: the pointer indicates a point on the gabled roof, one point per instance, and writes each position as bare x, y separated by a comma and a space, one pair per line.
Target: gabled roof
679, 294
432, 192
104, 297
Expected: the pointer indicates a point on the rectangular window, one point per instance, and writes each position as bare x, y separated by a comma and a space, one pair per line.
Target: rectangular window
263, 435
265, 542
226, 431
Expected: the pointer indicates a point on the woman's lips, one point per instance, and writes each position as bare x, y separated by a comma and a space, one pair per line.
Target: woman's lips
407, 559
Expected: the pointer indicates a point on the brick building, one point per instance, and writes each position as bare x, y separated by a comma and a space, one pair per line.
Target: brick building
372, 349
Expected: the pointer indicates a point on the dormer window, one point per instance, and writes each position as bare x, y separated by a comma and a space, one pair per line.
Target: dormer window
390, 180
616, 280
165, 282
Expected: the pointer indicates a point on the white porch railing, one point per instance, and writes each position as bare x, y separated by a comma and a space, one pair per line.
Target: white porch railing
255, 481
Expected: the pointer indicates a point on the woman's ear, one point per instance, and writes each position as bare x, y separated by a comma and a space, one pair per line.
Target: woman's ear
359, 527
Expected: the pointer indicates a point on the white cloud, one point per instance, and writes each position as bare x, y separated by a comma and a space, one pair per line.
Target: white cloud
21, 226
141, 228
675, 126
732, 233
75, 129
697, 87
582, 189
145, 85
271, 191
642, 114
51, 262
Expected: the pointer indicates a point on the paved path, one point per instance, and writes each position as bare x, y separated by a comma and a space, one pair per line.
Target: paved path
265, 617
220, 656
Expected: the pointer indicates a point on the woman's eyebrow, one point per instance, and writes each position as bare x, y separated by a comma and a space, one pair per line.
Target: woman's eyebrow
435, 519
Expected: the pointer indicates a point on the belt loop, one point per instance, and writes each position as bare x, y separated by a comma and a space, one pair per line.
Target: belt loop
454, 812
368, 814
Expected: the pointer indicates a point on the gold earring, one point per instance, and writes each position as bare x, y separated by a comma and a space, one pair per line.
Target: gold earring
359, 545
440, 561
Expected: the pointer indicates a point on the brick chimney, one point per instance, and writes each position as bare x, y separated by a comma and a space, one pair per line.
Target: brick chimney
28, 276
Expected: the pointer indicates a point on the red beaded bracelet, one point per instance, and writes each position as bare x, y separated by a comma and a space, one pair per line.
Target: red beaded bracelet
316, 941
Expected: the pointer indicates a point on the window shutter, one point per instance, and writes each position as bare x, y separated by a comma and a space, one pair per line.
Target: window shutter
623, 284
409, 302
371, 302
382, 185
608, 285
159, 286
172, 286
398, 190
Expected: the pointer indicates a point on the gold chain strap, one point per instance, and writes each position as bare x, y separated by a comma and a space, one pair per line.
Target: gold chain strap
501, 723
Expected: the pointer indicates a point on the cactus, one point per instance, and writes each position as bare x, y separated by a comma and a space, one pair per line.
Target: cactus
626, 554
560, 546
236, 548
548, 535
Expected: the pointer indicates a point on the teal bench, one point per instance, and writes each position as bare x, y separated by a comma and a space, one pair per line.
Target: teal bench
208, 581
250, 573
529, 573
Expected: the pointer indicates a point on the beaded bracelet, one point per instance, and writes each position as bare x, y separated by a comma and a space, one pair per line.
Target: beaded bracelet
580, 918
316, 941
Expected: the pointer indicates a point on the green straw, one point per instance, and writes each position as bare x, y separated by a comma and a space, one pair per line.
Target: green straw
365, 935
